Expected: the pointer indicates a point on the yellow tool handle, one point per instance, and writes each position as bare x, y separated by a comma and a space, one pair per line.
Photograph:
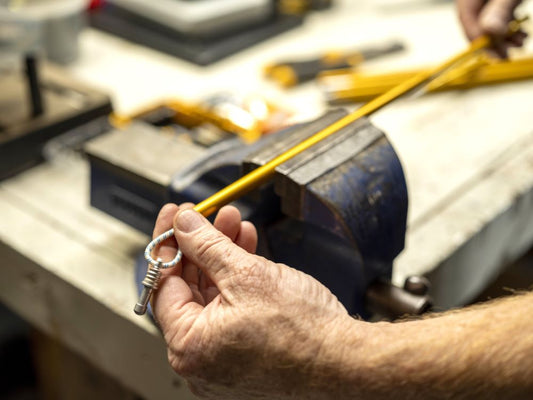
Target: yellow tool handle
356, 80
291, 73
366, 87
260, 175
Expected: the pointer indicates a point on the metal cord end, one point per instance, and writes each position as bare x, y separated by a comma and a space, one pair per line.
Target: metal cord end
142, 305
150, 283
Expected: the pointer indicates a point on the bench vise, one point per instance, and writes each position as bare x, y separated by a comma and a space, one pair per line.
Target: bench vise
336, 211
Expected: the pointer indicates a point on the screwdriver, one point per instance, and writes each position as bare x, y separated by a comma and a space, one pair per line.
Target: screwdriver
292, 73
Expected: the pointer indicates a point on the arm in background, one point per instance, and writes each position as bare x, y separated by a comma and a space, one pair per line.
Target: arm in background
492, 17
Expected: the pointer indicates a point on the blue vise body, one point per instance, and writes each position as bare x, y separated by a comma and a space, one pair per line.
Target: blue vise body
336, 211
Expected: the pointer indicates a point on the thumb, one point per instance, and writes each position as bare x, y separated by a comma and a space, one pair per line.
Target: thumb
208, 248
496, 15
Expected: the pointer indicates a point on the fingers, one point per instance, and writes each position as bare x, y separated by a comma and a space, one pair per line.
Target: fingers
469, 11
247, 237
481, 17
243, 234
202, 245
494, 20
174, 293
518, 38
496, 15
173, 303
167, 249
190, 272
207, 247
191, 276
228, 221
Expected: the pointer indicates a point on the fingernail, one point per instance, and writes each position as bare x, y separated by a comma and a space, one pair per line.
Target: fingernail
188, 221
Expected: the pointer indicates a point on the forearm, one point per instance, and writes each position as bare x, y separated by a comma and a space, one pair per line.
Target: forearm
482, 352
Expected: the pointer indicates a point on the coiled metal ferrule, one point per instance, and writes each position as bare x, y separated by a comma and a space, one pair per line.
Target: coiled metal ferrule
150, 283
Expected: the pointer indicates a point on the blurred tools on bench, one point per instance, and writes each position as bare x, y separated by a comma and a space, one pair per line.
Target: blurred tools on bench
201, 32
349, 86
38, 101
291, 73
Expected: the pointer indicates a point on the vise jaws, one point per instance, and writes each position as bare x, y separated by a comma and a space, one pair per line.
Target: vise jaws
336, 211
343, 207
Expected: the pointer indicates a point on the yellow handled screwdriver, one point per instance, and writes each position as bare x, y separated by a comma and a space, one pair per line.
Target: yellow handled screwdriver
292, 73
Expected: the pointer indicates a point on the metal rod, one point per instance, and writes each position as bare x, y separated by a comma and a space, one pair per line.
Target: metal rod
262, 174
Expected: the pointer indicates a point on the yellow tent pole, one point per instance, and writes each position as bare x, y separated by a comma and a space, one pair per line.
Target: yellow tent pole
260, 175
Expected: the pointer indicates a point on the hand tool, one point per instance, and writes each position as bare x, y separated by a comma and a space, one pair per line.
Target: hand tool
360, 87
241, 122
292, 73
248, 117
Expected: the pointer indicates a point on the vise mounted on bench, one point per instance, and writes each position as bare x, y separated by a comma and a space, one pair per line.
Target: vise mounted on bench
336, 211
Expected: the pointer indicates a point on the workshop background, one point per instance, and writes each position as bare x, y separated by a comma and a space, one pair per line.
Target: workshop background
111, 108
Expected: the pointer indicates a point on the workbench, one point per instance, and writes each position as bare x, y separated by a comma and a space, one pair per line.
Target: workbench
468, 157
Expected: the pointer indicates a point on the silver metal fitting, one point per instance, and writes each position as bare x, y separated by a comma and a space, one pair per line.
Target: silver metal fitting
150, 283
417, 285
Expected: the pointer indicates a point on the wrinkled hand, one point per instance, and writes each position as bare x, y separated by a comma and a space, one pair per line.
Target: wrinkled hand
237, 325
490, 17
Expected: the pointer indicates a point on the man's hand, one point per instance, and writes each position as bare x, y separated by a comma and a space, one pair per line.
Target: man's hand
482, 17
236, 324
